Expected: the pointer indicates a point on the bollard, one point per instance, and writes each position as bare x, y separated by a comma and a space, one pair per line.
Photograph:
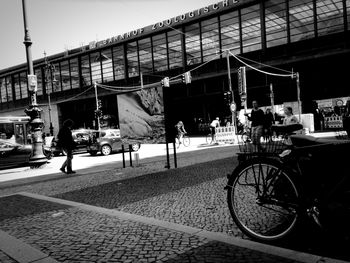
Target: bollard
137, 158
130, 150
175, 160
123, 151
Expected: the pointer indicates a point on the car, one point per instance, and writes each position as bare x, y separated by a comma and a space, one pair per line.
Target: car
16, 155
82, 139
108, 141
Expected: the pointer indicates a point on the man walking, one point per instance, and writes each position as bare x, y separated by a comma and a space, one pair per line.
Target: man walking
66, 141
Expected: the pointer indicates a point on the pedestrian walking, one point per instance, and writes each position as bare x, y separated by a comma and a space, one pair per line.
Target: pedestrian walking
65, 140
257, 117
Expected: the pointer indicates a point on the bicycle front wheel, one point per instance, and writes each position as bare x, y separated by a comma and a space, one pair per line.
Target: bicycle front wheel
186, 140
263, 199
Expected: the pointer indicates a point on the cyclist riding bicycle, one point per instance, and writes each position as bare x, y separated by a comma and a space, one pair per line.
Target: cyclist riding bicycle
180, 131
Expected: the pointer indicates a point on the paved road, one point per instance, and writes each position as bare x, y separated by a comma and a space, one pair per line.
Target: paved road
191, 195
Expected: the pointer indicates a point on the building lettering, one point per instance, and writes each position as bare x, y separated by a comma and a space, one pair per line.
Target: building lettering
169, 22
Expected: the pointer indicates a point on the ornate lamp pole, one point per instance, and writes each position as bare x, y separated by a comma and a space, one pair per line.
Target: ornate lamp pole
33, 111
49, 71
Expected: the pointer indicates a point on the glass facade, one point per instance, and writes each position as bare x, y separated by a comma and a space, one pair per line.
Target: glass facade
118, 62
230, 32
269, 23
275, 22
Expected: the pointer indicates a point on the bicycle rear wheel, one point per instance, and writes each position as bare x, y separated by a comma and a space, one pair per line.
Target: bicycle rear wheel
263, 199
209, 139
186, 140
177, 143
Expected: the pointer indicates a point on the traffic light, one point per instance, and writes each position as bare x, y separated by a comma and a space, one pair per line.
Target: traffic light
242, 86
186, 77
99, 104
228, 97
166, 82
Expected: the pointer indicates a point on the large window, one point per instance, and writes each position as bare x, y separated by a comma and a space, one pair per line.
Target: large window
301, 16
133, 60
175, 49
329, 16
39, 78
24, 84
107, 65
275, 22
57, 85
251, 28
74, 73
85, 70
145, 54
65, 76
210, 38
95, 61
160, 52
118, 62
193, 44
9, 88
17, 86
230, 38
3, 91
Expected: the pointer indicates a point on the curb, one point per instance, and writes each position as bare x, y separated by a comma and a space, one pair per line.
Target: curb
220, 237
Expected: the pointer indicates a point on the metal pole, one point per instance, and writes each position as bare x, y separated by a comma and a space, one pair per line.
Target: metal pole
97, 117
272, 99
33, 111
175, 158
51, 127
130, 157
230, 87
123, 150
298, 95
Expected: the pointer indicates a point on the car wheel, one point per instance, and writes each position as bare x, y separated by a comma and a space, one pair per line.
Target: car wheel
106, 150
135, 147
93, 153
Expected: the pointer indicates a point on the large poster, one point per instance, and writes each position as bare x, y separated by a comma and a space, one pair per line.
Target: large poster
141, 116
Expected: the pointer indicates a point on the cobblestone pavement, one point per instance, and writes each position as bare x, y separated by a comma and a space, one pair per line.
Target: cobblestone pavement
191, 195
69, 234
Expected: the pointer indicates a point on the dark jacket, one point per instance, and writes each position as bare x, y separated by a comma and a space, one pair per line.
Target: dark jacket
257, 117
65, 138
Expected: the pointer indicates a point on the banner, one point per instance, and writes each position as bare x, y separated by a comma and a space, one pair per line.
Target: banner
141, 116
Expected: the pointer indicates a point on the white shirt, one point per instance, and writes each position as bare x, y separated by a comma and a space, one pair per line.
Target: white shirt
215, 123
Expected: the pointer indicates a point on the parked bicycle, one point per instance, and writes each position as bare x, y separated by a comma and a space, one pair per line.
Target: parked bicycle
295, 177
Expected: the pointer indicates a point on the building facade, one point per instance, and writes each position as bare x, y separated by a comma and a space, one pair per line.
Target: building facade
310, 37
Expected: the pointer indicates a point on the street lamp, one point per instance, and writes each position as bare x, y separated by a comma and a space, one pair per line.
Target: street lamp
33, 110
49, 72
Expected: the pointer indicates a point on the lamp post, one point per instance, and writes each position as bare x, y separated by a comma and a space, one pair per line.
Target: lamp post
49, 71
33, 111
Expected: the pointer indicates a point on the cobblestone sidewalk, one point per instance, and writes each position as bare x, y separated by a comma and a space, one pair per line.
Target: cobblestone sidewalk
69, 232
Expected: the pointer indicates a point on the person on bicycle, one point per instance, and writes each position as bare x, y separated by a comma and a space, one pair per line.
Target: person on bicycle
257, 117
215, 123
180, 131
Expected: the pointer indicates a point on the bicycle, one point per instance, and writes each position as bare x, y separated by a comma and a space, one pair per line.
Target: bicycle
185, 141
269, 192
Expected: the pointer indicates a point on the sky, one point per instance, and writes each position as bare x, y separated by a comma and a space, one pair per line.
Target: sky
57, 25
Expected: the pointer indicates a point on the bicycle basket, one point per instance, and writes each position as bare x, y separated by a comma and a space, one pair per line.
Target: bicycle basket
272, 145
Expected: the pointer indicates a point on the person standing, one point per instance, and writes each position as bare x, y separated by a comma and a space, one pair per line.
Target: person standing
66, 141
289, 117
269, 121
257, 117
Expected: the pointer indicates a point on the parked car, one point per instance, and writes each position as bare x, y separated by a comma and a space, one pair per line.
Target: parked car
108, 141
16, 155
82, 139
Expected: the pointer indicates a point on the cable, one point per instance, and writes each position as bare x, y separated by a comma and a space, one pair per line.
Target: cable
72, 98
292, 75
